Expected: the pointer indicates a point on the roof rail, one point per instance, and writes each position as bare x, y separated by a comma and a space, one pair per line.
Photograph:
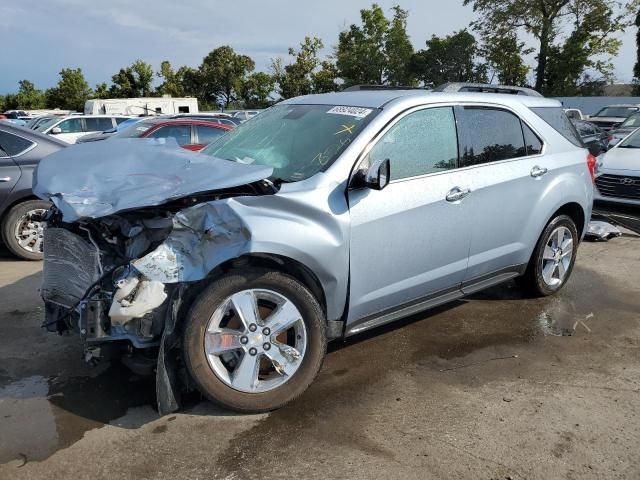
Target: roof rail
452, 87
357, 88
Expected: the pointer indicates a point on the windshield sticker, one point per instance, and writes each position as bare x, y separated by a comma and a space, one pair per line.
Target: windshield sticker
351, 111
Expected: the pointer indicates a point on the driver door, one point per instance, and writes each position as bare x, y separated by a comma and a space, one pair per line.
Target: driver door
410, 241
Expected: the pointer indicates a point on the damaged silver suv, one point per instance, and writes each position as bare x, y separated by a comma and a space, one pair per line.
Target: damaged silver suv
324, 216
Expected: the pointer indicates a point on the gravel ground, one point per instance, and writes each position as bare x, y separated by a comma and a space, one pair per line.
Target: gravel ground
493, 387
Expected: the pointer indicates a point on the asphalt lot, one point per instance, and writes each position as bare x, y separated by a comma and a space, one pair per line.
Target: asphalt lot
494, 387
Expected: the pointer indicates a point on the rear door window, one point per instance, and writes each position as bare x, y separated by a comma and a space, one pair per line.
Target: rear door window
98, 124
207, 135
14, 145
556, 117
489, 135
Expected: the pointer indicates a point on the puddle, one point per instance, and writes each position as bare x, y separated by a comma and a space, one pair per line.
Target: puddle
41, 415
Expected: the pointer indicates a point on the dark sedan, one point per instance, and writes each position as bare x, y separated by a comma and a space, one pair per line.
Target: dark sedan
20, 151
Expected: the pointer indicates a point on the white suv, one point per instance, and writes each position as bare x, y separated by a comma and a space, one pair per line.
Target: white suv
69, 129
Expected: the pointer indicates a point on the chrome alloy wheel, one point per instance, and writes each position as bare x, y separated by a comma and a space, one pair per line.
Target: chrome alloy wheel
255, 340
29, 233
557, 256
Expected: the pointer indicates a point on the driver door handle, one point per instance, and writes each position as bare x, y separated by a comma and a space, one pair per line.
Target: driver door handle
538, 171
5, 179
457, 193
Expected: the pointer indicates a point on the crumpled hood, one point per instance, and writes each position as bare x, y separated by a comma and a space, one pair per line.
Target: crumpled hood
622, 159
97, 179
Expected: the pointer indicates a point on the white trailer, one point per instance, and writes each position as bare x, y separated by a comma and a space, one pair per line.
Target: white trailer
141, 106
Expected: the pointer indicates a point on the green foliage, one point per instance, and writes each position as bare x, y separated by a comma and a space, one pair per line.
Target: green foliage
592, 25
3, 103
132, 81
362, 55
222, 74
255, 91
307, 74
71, 91
398, 50
27, 98
504, 56
453, 58
101, 91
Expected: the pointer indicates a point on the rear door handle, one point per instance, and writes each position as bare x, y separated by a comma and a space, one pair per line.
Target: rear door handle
5, 179
538, 171
457, 193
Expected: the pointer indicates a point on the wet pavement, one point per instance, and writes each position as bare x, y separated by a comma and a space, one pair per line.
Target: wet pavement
494, 386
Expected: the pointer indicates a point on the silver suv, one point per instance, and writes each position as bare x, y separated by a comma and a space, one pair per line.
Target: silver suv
320, 218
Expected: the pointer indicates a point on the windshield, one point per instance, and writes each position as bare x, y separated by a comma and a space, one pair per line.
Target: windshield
297, 141
632, 141
135, 130
623, 112
632, 122
46, 123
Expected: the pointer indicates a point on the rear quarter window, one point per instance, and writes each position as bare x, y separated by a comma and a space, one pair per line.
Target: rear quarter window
13, 144
556, 117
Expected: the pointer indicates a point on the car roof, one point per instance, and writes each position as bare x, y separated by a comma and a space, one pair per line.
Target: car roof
382, 97
186, 121
32, 135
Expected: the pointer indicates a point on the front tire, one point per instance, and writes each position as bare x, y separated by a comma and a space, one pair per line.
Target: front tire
254, 340
553, 258
20, 233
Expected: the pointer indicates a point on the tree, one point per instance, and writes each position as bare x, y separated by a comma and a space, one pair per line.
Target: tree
545, 20
256, 90
222, 74
132, 81
504, 56
360, 54
302, 76
398, 50
173, 81
453, 58
636, 67
71, 91
101, 91
27, 98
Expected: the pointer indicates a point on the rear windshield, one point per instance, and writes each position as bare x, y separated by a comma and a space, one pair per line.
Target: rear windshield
556, 117
136, 130
632, 122
623, 112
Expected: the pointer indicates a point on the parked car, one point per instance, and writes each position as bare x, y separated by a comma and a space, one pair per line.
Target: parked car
621, 130
20, 151
324, 216
618, 173
190, 134
71, 127
245, 114
96, 137
591, 134
13, 116
609, 116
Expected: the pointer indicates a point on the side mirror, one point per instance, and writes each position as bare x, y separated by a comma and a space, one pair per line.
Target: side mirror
378, 175
55, 131
595, 148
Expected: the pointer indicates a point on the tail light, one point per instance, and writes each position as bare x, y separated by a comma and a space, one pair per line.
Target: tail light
591, 165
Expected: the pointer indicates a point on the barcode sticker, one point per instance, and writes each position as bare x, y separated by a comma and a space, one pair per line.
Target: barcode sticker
357, 112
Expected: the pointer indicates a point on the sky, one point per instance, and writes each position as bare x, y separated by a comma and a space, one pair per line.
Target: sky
40, 37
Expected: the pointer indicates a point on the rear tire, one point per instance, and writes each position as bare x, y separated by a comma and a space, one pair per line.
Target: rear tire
553, 259
281, 364
17, 227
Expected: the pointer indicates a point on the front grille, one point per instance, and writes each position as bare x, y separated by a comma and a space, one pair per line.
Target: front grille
619, 186
70, 267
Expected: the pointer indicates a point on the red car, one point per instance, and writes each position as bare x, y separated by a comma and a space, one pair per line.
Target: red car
190, 134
